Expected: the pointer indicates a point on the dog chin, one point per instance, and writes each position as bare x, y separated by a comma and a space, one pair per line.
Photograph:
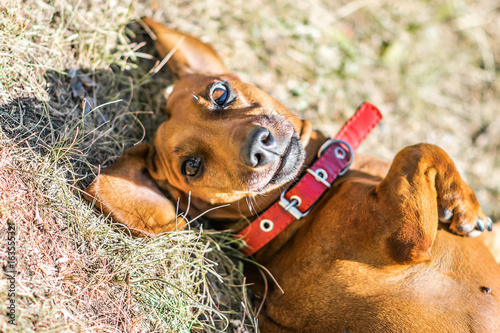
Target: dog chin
291, 163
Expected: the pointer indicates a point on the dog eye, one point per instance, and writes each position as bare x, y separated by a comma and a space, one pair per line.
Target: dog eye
220, 94
190, 167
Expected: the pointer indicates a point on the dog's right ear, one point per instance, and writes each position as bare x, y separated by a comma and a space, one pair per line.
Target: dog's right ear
190, 55
126, 191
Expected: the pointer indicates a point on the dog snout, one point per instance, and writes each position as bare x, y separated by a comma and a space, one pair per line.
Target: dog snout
259, 148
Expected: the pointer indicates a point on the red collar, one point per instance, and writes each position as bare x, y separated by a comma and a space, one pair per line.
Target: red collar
334, 158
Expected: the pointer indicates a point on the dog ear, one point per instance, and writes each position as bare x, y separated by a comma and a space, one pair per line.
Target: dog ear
190, 55
126, 191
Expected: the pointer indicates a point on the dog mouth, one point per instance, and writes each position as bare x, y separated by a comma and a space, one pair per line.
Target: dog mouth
289, 166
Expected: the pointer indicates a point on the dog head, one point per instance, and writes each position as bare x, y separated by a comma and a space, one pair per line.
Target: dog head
224, 140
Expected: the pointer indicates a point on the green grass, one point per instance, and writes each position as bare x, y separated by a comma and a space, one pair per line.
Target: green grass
431, 67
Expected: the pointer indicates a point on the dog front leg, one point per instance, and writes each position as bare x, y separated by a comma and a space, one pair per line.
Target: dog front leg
422, 187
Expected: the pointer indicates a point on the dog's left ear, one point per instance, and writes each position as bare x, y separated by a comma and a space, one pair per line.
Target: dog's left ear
190, 55
126, 191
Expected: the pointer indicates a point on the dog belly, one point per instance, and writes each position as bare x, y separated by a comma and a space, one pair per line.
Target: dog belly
456, 291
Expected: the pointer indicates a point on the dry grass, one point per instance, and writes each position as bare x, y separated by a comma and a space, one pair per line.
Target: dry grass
431, 67
77, 273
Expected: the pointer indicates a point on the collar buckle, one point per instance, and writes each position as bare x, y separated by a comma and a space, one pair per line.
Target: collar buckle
320, 175
291, 206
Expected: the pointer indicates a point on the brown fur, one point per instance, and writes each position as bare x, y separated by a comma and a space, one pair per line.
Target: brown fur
371, 256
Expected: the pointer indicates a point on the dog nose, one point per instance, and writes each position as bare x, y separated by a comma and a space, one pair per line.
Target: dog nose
259, 147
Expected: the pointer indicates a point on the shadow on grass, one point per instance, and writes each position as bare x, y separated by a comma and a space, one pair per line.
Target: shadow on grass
90, 118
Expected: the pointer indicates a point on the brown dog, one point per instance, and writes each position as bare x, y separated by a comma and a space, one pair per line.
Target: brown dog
370, 256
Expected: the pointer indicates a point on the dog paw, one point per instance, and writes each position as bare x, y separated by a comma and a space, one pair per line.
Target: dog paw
465, 218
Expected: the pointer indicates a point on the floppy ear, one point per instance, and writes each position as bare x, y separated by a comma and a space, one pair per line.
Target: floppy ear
126, 191
190, 55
